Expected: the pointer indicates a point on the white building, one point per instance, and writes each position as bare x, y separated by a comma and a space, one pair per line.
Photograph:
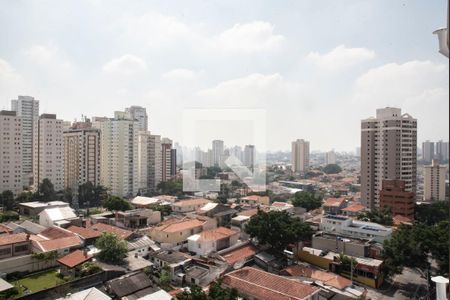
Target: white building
56, 216
10, 152
48, 161
434, 181
356, 229
149, 161
139, 114
214, 240
388, 151
27, 108
119, 154
330, 158
217, 153
300, 156
81, 155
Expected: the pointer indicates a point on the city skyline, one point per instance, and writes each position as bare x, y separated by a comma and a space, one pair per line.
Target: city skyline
311, 87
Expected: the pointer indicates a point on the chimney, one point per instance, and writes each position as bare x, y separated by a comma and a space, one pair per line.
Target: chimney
441, 287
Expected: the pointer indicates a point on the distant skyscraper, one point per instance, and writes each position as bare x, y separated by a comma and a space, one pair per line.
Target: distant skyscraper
434, 181
10, 152
138, 113
388, 151
427, 151
48, 152
81, 155
27, 108
358, 151
249, 157
330, 158
300, 156
217, 152
237, 152
166, 162
442, 151
173, 162
119, 154
150, 161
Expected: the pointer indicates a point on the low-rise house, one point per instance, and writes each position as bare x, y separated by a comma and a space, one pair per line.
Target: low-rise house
175, 261
174, 232
255, 200
26, 227
88, 235
5, 229
106, 217
353, 210
221, 212
88, 294
213, 240
282, 206
59, 216
334, 242
159, 295
137, 218
130, 284
142, 246
62, 245
196, 274
14, 245
268, 262
69, 262
257, 284
145, 202
333, 205
190, 205
105, 228
237, 257
33, 209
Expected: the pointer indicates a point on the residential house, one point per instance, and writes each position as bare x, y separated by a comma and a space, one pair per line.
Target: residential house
88, 294
190, 205
257, 284
159, 295
175, 232
255, 200
347, 245
142, 246
69, 262
105, 228
33, 209
137, 218
353, 210
221, 212
334, 205
15, 244
175, 261
131, 284
59, 216
26, 227
282, 206
56, 239
145, 202
237, 257
209, 241
88, 235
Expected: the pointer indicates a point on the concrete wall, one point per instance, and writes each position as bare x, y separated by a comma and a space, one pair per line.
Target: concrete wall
353, 249
25, 263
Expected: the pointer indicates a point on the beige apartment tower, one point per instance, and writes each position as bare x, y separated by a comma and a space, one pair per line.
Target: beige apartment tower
388, 151
149, 161
81, 155
434, 181
48, 152
300, 156
10, 152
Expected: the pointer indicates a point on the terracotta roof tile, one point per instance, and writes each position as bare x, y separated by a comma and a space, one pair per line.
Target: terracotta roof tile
8, 239
85, 233
75, 258
66, 242
54, 232
181, 225
239, 254
266, 286
327, 278
121, 233
217, 234
190, 202
5, 229
334, 202
354, 207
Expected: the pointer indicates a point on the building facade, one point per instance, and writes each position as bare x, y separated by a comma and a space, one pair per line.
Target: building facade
427, 151
442, 151
166, 159
249, 157
10, 152
48, 153
330, 158
434, 181
139, 114
81, 155
27, 108
300, 156
388, 151
217, 153
394, 196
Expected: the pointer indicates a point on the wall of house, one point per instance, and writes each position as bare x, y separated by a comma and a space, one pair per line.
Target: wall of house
25, 263
353, 249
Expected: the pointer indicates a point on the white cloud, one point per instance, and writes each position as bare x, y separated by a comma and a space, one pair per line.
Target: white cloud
340, 57
179, 74
127, 65
48, 56
249, 37
7, 72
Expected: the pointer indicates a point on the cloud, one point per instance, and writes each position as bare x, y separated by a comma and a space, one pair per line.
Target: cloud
179, 74
127, 65
249, 37
48, 56
7, 72
340, 57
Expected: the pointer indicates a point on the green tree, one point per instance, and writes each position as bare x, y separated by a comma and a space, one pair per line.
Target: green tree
432, 213
25, 196
217, 292
117, 203
113, 250
46, 191
7, 200
383, 217
9, 216
165, 210
307, 200
332, 169
164, 279
171, 187
277, 229
86, 194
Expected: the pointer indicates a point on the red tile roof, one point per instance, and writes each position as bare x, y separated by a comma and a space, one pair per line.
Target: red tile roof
266, 286
62, 243
190, 202
121, 233
327, 278
217, 234
54, 232
8, 239
85, 233
334, 202
239, 254
354, 207
399, 219
175, 225
75, 258
5, 229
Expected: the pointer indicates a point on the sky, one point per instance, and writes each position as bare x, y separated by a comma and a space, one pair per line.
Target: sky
316, 68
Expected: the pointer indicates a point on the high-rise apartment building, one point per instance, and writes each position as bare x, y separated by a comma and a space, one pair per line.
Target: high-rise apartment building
388, 151
330, 158
218, 153
48, 153
394, 196
300, 156
427, 151
434, 181
119, 154
442, 151
138, 113
10, 152
27, 108
81, 155
166, 159
173, 162
249, 157
149, 161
